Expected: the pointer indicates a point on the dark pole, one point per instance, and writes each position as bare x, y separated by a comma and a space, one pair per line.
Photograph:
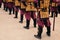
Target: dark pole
54, 20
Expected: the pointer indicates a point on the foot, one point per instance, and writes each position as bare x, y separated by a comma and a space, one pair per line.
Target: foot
13, 13
26, 27
39, 37
34, 26
51, 16
56, 16
6, 10
48, 34
9, 14
15, 17
3, 9
20, 21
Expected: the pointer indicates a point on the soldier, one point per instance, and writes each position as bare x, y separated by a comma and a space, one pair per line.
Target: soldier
5, 5
30, 13
58, 5
16, 8
21, 16
50, 6
4, 1
54, 8
0, 3
43, 18
22, 10
10, 5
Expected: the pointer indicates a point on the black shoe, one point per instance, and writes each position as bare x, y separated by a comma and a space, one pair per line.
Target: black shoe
6, 10
20, 21
26, 27
51, 16
15, 17
55, 16
39, 37
13, 13
3, 9
48, 34
9, 14
34, 26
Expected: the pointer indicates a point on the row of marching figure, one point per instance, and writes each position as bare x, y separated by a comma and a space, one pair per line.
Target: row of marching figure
38, 10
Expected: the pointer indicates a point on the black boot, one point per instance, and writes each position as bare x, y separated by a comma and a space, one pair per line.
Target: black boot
52, 14
9, 11
6, 9
13, 10
26, 27
56, 14
27, 24
34, 22
0, 5
16, 14
21, 19
37, 36
48, 31
40, 30
49, 10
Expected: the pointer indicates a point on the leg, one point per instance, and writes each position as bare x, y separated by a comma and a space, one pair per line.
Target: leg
0, 5
34, 22
47, 25
27, 24
48, 30
21, 18
49, 10
10, 11
34, 18
6, 8
56, 13
59, 9
16, 13
40, 30
13, 10
52, 14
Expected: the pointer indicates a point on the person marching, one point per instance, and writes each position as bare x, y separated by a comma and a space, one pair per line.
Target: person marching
4, 1
54, 8
16, 8
30, 13
10, 4
0, 3
22, 10
43, 19
50, 6
58, 5
5, 5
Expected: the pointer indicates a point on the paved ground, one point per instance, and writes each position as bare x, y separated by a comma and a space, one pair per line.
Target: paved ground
11, 29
